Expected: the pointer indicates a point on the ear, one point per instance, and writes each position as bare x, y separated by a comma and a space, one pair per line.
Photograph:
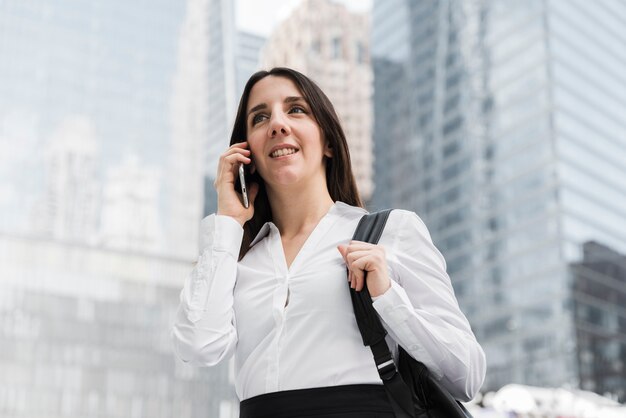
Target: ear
328, 150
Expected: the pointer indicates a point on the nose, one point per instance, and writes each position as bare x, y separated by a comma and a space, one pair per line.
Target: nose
278, 125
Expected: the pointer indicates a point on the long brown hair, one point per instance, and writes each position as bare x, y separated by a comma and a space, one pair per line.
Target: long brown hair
339, 178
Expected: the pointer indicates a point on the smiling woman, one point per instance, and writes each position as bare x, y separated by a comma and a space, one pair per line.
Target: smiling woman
272, 284
297, 103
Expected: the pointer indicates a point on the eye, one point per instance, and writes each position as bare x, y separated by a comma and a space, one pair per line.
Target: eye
259, 117
297, 109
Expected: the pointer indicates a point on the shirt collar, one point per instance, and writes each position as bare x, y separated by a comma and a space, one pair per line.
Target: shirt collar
265, 229
338, 209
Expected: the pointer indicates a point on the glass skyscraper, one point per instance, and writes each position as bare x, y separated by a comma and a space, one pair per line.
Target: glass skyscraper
499, 123
599, 283
85, 322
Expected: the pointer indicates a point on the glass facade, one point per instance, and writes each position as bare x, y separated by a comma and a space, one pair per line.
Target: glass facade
85, 332
109, 64
589, 98
509, 146
599, 284
201, 114
389, 56
247, 59
84, 329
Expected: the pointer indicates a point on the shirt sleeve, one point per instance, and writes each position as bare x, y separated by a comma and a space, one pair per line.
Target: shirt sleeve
204, 330
420, 310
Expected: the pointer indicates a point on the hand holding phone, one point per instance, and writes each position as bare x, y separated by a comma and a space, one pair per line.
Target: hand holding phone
234, 185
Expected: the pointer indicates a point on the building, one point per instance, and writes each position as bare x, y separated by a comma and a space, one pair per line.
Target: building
69, 207
85, 325
100, 63
85, 332
203, 94
247, 59
599, 284
130, 208
509, 148
330, 44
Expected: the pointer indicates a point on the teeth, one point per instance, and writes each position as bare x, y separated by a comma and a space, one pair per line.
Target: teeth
283, 151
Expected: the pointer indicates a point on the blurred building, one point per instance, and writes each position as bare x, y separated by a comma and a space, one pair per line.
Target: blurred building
85, 329
599, 283
203, 96
69, 208
85, 332
247, 59
330, 44
98, 62
130, 208
498, 122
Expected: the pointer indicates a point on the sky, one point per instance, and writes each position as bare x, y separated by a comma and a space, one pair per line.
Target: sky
260, 17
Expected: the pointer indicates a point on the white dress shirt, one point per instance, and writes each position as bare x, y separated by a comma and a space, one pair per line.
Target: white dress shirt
294, 328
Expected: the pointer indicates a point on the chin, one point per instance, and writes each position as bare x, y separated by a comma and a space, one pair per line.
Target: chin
285, 177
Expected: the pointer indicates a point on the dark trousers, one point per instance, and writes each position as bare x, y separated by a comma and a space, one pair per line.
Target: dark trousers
349, 401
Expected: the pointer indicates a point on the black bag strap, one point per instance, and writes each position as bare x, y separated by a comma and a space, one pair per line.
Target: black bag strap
369, 229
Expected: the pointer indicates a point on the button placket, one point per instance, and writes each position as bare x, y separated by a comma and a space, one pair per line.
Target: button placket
278, 299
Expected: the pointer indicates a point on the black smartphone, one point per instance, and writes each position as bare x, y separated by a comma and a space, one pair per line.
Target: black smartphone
242, 185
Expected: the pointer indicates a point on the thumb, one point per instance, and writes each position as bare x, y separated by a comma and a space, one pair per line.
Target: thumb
342, 250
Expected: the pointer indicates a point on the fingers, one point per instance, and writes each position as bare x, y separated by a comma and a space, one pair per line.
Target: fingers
352, 279
227, 166
237, 152
229, 199
361, 258
237, 158
238, 148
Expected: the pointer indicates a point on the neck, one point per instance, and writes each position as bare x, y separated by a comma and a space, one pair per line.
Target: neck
297, 209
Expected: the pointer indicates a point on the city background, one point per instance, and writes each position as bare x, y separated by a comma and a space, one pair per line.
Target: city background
502, 123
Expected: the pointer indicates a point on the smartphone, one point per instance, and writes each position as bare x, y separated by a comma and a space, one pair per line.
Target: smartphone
242, 183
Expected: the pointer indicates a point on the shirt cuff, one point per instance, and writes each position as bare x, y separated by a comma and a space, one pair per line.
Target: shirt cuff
222, 232
393, 306
395, 309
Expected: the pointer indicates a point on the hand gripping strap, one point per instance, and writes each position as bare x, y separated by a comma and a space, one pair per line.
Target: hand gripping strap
370, 229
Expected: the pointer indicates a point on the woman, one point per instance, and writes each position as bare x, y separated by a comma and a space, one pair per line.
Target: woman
270, 284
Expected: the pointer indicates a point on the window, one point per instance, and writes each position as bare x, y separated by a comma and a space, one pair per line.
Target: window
360, 53
336, 48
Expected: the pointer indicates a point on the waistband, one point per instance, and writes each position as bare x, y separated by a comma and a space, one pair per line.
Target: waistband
347, 401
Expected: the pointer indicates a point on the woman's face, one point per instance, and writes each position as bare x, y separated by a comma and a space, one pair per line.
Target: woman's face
285, 140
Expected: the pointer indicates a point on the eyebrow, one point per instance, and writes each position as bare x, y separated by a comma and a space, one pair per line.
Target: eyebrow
290, 99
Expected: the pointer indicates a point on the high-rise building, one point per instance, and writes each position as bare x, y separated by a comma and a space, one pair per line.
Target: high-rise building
130, 208
599, 285
509, 146
330, 44
85, 332
247, 59
84, 329
68, 210
98, 61
203, 96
